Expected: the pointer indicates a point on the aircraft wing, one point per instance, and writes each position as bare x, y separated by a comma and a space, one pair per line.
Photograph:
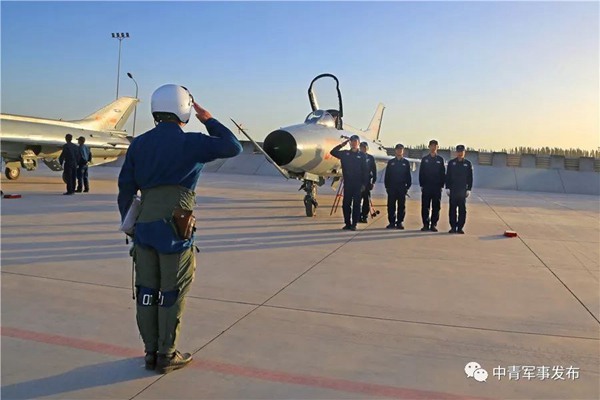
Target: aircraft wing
31, 139
269, 159
109, 145
50, 141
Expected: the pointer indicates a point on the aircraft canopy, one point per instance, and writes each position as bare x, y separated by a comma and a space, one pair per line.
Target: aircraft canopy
320, 117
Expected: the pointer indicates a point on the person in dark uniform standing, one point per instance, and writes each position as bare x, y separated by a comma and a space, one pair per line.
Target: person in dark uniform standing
69, 160
459, 181
82, 168
165, 164
397, 182
356, 176
366, 195
432, 174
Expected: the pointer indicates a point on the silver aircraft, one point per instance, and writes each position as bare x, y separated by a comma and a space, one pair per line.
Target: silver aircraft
302, 151
24, 140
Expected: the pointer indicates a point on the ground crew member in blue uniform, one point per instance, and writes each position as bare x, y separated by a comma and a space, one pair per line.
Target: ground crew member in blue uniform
356, 176
366, 195
397, 182
69, 159
82, 168
459, 181
432, 175
164, 164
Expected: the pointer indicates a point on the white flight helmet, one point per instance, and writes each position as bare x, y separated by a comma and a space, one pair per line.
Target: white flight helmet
172, 99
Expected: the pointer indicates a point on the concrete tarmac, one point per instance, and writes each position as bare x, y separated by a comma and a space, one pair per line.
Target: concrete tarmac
290, 307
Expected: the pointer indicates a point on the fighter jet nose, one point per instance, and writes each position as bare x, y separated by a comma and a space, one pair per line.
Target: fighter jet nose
281, 146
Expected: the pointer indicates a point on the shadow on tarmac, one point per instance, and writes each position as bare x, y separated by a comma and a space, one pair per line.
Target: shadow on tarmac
103, 374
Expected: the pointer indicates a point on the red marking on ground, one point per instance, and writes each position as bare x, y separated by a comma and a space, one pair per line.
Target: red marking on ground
82, 344
341, 385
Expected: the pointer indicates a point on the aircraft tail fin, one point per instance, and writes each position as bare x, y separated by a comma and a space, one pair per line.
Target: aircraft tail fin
375, 124
111, 117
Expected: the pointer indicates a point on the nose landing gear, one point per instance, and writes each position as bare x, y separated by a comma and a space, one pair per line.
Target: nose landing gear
310, 200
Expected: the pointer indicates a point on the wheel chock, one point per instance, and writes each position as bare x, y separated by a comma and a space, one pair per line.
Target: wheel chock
510, 234
11, 196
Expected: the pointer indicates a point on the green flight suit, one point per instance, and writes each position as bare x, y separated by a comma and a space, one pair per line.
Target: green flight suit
159, 325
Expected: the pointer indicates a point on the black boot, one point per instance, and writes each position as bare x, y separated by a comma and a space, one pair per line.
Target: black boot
167, 363
150, 360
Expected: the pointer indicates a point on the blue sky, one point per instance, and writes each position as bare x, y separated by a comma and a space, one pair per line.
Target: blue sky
486, 74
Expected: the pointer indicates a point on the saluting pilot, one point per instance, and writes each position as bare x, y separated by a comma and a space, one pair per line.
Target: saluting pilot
165, 164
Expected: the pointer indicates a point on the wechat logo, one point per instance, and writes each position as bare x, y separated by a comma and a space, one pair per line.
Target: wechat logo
474, 370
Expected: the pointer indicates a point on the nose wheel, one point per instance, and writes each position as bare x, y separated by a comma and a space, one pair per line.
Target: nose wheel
310, 200
12, 173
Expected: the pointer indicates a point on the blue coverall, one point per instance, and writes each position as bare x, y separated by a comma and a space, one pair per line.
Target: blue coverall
356, 179
459, 179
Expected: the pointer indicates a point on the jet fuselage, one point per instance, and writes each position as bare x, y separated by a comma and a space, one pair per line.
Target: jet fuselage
42, 135
306, 147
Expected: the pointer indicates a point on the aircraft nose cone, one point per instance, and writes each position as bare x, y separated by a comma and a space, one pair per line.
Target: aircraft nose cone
281, 146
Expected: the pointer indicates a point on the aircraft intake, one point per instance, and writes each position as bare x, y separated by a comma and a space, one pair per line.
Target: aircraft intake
281, 147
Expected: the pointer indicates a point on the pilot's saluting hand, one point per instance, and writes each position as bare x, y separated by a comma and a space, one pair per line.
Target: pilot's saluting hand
201, 113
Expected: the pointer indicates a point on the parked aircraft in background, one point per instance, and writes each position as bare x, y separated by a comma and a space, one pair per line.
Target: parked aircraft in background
25, 140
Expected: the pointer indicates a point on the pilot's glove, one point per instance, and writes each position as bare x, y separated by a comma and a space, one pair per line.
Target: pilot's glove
448, 192
468, 193
362, 188
371, 186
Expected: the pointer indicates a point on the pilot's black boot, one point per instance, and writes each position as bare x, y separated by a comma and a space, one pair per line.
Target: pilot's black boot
150, 360
167, 363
